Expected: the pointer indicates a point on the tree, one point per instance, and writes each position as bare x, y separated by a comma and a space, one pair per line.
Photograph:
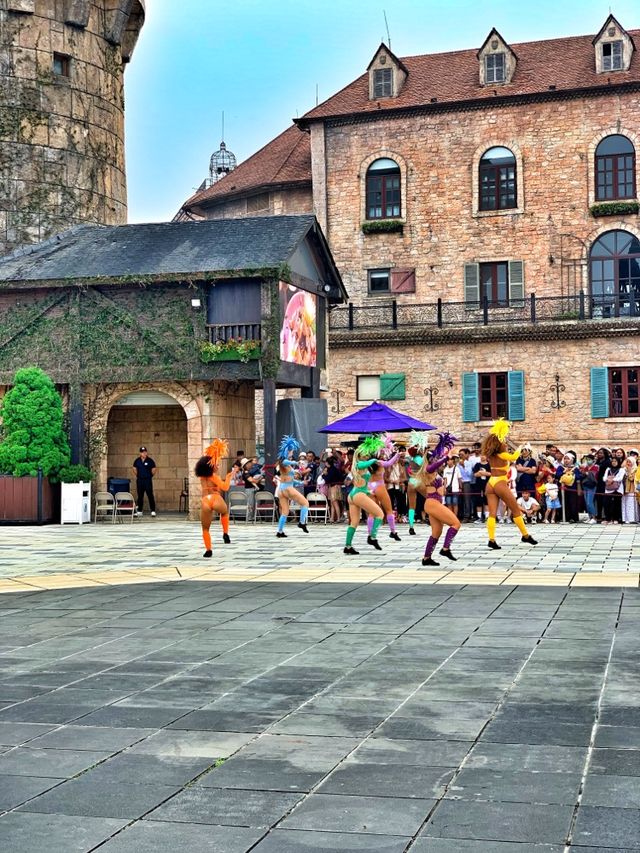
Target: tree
32, 431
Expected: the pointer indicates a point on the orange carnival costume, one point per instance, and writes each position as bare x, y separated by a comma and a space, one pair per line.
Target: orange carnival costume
495, 448
212, 487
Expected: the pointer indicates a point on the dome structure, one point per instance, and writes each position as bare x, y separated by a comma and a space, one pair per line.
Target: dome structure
222, 162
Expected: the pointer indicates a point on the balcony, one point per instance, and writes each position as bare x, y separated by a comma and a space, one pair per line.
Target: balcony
437, 315
245, 331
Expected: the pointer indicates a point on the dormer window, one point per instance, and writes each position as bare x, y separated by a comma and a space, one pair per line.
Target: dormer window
383, 83
612, 56
495, 68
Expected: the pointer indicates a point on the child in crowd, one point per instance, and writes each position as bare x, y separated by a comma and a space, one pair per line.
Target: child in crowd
529, 506
551, 492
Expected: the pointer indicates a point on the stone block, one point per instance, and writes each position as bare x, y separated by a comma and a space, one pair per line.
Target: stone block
76, 12
25, 7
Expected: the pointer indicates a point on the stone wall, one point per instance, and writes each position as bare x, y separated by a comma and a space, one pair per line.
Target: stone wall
62, 156
281, 203
441, 367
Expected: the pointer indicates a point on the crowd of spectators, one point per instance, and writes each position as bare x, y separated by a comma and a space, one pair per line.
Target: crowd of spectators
553, 486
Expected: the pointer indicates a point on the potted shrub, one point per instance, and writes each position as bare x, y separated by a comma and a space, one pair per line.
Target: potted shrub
33, 448
233, 349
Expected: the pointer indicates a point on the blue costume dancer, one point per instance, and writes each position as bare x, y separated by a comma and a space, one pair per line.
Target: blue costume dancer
286, 491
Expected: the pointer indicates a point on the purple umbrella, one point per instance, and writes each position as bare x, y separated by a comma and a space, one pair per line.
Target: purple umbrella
376, 418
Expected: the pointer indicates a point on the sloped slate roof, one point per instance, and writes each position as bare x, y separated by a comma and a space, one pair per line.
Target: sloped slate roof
284, 160
566, 63
174, 248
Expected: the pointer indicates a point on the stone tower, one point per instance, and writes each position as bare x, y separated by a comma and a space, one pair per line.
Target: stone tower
62, 114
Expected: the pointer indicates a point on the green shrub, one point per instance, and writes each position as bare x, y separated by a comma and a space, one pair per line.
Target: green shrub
76, 474
33, 434
382, 226
613, 208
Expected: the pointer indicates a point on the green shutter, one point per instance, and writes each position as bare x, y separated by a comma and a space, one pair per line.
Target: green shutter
392, 386
515, 382
472, 284
599, 392
516, 284
470, 402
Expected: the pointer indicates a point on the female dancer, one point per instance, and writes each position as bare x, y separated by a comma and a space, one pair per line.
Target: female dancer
494, 447
438, 513
286, 491
359, 498
419, 441
212, 487
378, 488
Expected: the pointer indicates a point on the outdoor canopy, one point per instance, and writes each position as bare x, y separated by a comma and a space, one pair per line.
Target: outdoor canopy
376, 418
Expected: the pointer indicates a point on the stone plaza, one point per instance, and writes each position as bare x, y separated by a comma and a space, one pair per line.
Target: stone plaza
282, 698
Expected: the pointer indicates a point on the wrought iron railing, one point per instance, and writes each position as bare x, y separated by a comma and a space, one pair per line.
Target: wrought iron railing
392, 314
246, 331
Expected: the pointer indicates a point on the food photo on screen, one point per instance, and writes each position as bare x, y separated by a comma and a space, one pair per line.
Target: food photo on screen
298, 341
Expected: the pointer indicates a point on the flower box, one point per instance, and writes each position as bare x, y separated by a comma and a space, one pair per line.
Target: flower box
28, 500
233, 355
614, 208
383, 226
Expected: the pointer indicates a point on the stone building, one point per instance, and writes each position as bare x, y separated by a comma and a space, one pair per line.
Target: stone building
161, 334
482, 207
62, 158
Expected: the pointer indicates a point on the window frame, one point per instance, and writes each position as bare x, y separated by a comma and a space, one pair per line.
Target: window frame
379, 271
65, 65
493, 171
490, 73
619, 406
379, 86
360, 399
496, 409
614, 171
383, 175
494, 301
616, 288
608, 61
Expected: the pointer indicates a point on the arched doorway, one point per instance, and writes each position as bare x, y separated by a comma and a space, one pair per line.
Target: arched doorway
159, 422
615, 274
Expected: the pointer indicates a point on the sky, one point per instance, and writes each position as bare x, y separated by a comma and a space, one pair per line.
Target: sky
261, 62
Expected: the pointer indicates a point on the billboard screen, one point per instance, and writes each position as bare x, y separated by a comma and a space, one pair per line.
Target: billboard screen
298, 335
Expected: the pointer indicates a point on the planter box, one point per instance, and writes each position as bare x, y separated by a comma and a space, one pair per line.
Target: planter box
27, 500
232, 355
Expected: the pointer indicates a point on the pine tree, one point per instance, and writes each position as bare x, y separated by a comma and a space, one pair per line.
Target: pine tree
32, 431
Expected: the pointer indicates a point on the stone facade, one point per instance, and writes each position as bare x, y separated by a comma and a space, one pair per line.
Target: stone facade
62, 114
271, 203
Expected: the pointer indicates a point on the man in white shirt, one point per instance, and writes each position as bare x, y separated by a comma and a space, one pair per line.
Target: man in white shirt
529, 506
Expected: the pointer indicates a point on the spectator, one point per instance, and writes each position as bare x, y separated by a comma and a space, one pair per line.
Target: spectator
145, 469
466, 478
620, 455
602, 461
310, 480
451, 477
527, 469
629, 502
568, 476
481, 473
504, 514
613, 489
236, 473
529, 506
589, 471
334, 478
551, 492
396, 480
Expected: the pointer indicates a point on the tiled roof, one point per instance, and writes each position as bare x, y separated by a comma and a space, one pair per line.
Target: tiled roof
565, 63
89, 252
284, 160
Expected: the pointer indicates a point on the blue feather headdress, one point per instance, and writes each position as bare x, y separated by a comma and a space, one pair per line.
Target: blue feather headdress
289, 444
446, 442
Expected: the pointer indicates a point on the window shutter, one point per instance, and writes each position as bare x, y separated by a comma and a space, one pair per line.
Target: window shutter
516, 284
470, 402
599, 392
403, 281
472, 283
392, 386
515, 384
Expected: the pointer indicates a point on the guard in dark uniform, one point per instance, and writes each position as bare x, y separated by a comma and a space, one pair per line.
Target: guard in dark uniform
144, 469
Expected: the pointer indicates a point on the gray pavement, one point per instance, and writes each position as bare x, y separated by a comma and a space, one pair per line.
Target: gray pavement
285, 717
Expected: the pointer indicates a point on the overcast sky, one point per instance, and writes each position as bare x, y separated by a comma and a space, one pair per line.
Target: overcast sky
260, 62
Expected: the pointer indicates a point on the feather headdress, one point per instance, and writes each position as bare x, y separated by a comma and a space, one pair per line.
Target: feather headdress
217, 450
388, 449
289, 444
371, 445
419, 439
444, 445
500, 429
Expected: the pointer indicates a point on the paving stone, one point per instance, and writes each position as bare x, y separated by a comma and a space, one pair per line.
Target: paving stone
147, 836
611, 791
547, 733
89, 798
210, 719
623, 737
387, 780
149, 769
328, 725
116, 716
22, 832
441, 753
226, 807
615, 762
376, 815
303, 751
90, 738
608, 827
260, 774
15, 734
515, 786
193, 744
300, 841
492, 821
15, 790
52, 763
457, 845
451, 729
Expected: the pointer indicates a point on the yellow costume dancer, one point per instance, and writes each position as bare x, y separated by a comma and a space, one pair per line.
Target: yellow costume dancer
212, 487
495, 448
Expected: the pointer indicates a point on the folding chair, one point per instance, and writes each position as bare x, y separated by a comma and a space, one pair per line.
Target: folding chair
105, 506
265, 507
318, 507
125, 505
238, 505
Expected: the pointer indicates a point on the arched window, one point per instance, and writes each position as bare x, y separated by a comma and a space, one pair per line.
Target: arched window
383, 189
498, 185
615, 169
615, 274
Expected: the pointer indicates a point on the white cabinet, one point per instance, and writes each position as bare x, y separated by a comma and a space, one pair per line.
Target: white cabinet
75, 503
